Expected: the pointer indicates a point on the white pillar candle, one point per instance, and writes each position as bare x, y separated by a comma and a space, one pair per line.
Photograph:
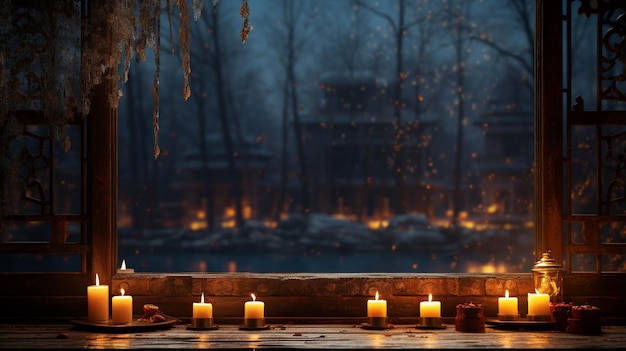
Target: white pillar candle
430, 308
122, 308
254, 309
98, 302
377, 308
538, 304
507, 305
202, 309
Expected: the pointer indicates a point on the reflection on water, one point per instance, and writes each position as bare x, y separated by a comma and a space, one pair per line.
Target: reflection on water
373, 262
331, 250
328, 245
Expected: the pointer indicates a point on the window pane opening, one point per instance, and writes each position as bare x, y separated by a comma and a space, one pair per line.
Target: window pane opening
341, 156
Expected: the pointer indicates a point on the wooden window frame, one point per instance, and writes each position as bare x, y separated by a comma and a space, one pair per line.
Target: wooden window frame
298, 297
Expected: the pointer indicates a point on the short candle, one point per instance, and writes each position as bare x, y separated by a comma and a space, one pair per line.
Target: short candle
123, 268
377, 308
122, 308
507, 305
430, 308
98, 302
202, 309
538, 304
254, 309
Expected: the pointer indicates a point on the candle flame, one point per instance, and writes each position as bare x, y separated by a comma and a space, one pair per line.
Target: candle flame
506, 294
253, 297
122, 291
430, 297
123, 264
97, 279
202, 298
376, 295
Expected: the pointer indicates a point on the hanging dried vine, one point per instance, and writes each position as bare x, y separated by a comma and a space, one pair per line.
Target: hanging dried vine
169, 20
52, 56
244, 12
156, 151
183, 43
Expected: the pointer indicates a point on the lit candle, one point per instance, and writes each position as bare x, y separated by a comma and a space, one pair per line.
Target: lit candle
123, 268
254, 309
122, 308
202, 309
98, 302
377, 308
507, 305
430, 308
538, 304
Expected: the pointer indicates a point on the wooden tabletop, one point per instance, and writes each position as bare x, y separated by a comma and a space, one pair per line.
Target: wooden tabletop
179, 335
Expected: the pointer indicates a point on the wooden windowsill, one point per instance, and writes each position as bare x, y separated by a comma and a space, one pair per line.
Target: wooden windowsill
302, 297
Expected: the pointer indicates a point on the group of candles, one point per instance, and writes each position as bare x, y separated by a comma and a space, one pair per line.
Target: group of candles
538, 306
378, 307
122, 306
98, 305
252, 309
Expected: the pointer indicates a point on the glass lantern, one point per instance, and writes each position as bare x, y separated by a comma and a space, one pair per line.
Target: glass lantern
548, 277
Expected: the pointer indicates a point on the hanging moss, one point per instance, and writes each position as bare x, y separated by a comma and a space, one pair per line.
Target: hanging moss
53, 54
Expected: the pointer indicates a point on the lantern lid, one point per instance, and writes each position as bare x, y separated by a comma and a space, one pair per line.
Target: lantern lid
547, 263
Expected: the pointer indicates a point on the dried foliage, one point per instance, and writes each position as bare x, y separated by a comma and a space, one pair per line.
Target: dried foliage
244, 12
53, 54
156, 151
183, 42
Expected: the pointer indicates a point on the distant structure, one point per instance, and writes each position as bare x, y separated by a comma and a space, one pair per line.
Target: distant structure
505, 169
251, 162
349, 142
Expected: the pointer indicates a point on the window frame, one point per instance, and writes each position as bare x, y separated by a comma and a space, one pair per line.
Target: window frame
23, 292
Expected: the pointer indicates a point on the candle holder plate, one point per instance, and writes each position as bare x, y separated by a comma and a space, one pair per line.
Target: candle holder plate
202, 324
213, 327
263, 327
375, 327
422, 326
138, 324
521, 323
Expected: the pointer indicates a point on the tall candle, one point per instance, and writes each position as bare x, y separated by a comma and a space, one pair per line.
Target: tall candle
202, 309
538, 304
254, 309
122, 308
377, 308
430, 308
507, 305
98, 302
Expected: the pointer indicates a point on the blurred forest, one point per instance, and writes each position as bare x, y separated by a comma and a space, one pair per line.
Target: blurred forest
339, 131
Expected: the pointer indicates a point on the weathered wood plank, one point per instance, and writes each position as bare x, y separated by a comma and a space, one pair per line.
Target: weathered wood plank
300, 336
